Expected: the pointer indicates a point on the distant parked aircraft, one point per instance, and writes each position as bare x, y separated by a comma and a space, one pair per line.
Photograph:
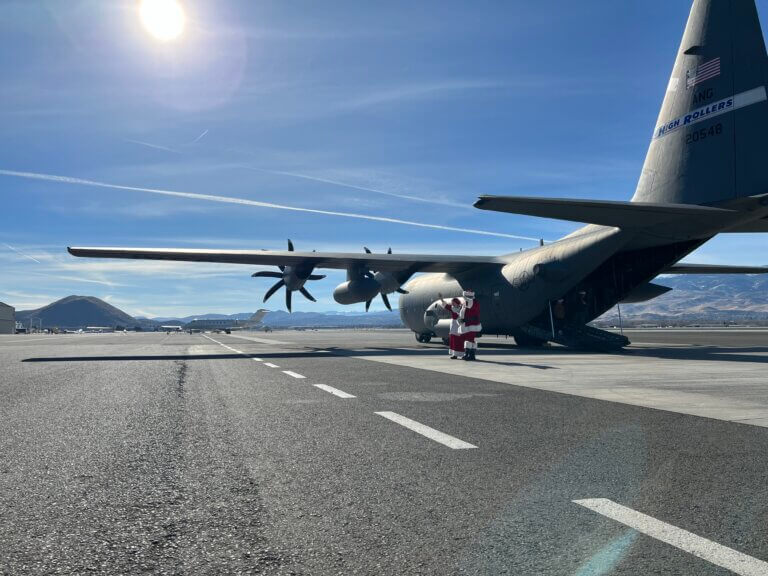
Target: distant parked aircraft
226, 325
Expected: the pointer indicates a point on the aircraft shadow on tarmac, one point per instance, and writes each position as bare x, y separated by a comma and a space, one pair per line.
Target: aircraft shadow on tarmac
492, 352
501, 354
752, 354
178, 357
431, 352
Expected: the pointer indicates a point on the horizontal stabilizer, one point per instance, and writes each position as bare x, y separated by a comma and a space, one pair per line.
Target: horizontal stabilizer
602, 212
684, 268
749, 227
645, 292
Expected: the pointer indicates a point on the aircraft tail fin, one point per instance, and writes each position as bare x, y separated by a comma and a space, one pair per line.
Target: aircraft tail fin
708, 146
257, 316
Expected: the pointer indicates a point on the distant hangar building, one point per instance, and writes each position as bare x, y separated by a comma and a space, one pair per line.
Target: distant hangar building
7, 319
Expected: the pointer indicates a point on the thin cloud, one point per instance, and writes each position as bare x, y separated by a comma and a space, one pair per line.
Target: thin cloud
429, 90
355, 187
21, 253
153, 146
256, 203
199, 137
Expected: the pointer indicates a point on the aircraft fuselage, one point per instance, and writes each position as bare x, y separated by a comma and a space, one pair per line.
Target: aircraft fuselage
589, 272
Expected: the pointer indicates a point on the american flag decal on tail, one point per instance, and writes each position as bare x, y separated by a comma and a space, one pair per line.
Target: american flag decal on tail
703, 72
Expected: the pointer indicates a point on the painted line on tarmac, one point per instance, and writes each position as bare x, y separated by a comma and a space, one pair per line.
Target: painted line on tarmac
256, 359
430, 433
334, 391
271, 365
712, 552
293, 374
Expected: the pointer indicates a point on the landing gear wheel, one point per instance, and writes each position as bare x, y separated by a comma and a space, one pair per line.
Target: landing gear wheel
525, 341
423, 337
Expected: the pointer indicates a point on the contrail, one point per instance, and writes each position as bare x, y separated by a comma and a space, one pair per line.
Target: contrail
150, 145
301, 176
199, 137
19, 252
355, 187
245, 202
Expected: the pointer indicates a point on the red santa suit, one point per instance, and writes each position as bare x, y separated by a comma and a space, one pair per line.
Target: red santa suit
469, 324
456, 340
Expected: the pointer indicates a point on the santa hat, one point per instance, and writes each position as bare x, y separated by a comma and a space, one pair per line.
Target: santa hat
469, 294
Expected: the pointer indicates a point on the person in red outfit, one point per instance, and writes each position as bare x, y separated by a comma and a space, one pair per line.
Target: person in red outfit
469, 324
456, 340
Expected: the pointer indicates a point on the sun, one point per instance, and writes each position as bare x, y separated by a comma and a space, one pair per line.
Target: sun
163, 19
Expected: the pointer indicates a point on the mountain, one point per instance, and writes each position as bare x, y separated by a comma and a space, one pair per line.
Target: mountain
281, 319
185, 319
75, 312
702, 299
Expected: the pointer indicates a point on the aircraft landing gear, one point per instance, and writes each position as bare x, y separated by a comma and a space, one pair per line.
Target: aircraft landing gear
423, 337
446, 341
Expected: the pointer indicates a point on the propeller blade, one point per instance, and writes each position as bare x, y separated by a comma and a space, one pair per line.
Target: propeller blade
401, 291
306, 294
290, 245
367, 305
288, 299
266, 274
386, 302
316, 276
274, 289
367, 250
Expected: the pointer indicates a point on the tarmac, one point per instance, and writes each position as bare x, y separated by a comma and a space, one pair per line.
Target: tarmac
364, 452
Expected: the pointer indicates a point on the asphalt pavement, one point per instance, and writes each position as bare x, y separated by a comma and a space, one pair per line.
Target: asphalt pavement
295, 453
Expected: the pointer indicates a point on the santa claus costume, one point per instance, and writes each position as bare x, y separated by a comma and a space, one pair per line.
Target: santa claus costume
469, 324
455, 340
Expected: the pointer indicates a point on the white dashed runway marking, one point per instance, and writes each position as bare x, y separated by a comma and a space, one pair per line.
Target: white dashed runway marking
292, 374
334, 391
271, 365
717, 554
430, 433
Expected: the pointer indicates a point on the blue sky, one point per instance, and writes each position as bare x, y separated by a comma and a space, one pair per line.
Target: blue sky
391, 109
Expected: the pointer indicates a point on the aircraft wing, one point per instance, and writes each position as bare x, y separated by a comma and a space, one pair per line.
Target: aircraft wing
603, 212
338, 260
684, 268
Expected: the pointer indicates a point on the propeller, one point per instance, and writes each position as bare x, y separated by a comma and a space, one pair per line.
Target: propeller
385, 280
292, 278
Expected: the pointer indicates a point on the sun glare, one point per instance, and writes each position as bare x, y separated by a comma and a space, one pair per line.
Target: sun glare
163, 19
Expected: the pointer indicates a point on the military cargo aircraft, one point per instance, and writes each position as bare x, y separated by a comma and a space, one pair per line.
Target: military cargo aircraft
705, 173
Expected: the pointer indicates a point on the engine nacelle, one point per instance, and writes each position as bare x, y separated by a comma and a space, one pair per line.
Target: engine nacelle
354, 291
437, 319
